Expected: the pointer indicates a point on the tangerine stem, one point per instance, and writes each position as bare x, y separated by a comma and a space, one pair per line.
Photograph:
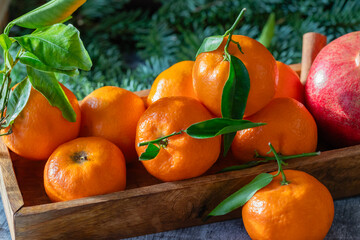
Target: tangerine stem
231, 30
279, 162
7, 79
160, 139
266, 160
290, 156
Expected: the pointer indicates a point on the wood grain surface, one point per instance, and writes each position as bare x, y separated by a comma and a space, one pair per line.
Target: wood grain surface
149, 206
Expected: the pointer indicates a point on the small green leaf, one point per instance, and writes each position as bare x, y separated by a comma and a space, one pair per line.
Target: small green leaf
227, 141
150, 153
217, 126
48, 14
5, 42
3, 89
9, 61
235, 94
268, 31
58, 46
210, 44
47, 84
243, 195
17, 101
236, 90
31, 60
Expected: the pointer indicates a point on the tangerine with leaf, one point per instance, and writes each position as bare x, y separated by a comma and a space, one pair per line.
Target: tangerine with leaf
301, 209
40, 128
286, 204
178, 156
211, 71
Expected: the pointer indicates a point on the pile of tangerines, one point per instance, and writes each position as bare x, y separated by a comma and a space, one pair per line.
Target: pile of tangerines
88, 157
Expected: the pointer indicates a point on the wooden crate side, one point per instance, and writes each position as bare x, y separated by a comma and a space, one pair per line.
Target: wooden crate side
10, 192
4, 13
174, 205
125, 217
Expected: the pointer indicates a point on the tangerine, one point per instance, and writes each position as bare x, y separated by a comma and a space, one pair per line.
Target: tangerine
112, 113
40, 128
182, 156
174, 81
210, 73
84, 167
302, 209
289, 127
289, 84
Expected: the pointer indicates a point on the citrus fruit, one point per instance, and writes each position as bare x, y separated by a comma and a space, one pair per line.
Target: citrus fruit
174, 81
289, 84
183, 156
303, 209
40, 127
84, 167
210, 73
289, 127
112, 113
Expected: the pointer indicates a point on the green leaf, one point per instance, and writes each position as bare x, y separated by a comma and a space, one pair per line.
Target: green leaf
235, 94
58, 46
217, 126
3, 90
243, 195
268, 31
47, 84
17, 101
48, 14
9, 61
236, 90
150, 153
31, 60
227, 140
210, 44
5, 42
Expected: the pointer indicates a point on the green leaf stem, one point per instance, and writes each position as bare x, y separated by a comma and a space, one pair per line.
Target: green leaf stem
218, 126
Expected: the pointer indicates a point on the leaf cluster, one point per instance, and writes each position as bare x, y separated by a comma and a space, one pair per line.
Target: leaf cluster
52, 48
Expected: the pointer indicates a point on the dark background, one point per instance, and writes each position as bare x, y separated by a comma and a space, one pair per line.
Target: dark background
131, 42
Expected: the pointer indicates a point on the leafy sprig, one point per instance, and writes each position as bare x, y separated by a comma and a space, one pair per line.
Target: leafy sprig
52, 48
240, 197
234, 97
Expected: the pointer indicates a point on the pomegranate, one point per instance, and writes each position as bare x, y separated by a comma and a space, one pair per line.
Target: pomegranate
332, 90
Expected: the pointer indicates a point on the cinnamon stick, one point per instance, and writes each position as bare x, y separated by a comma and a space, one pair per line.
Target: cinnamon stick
312, 44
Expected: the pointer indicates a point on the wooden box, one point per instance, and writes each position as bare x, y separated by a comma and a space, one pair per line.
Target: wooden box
147, 205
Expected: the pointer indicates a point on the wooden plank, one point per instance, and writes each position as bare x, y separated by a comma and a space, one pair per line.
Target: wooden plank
4, 13
10, 192
173, 205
